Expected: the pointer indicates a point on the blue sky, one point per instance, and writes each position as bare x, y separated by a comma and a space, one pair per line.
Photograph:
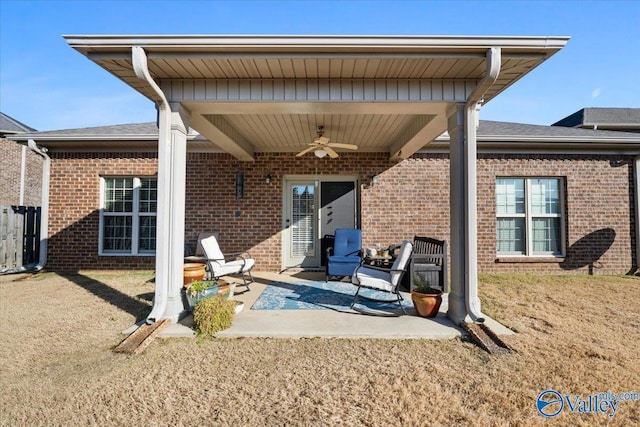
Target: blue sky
47, 85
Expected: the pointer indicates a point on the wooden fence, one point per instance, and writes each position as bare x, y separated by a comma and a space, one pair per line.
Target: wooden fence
19, 236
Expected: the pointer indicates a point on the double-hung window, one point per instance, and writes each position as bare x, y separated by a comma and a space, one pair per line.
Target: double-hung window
529, 216
128, 216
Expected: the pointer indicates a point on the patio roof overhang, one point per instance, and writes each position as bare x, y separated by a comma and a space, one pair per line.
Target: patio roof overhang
249, 94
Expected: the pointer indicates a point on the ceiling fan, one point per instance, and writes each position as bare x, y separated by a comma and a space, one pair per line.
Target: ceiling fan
321, 146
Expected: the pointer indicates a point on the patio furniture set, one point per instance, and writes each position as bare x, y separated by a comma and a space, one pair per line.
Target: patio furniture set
425, 259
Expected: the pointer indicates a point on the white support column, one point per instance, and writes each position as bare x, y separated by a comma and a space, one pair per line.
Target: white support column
173, 125
176, 200
457, 308
463, 299
471, 213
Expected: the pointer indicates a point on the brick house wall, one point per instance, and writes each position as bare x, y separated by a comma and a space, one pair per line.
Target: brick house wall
411, 197
392, 210
599, 198
74, 203
10, 164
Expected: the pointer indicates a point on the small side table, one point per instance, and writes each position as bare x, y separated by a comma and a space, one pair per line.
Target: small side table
379, 261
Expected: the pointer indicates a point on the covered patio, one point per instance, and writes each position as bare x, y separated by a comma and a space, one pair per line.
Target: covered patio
248, 96
326, 323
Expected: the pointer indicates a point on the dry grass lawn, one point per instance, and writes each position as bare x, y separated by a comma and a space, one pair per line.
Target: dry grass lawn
576, 334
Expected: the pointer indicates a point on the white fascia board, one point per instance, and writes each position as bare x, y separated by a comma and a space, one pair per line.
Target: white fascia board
543, 147
112, 138
65, 138
247, 43
562, 139
630, 139
613, 151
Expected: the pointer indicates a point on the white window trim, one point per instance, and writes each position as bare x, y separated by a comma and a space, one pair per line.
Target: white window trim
135, 221
528, 218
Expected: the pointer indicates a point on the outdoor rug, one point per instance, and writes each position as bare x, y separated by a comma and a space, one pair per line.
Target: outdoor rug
319, 295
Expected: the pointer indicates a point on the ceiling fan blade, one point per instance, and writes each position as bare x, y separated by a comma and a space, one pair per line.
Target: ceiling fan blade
321, 140
339, 145
306, 150
330, 152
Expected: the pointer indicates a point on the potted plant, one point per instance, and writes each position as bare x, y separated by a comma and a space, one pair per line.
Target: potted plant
199, 290
426, 299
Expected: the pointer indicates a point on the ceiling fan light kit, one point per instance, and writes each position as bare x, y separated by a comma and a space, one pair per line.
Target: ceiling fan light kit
320, 153
322, 146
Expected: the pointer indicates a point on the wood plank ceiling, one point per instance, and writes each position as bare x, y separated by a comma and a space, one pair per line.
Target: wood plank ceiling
287, 131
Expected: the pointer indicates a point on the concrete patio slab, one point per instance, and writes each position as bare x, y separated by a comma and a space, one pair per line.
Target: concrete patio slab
326, 323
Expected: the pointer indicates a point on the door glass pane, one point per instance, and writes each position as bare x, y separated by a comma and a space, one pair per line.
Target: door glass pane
302, 216
546, 235
510, 235
509, 196
337, 206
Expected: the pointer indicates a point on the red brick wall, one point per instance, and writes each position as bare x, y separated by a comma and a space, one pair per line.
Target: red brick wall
394, 209
599, 208
411, 197
10, 163
74, 202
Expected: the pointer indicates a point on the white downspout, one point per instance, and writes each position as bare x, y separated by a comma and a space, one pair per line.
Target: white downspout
23, 174
139, 59
44, 213
472, 301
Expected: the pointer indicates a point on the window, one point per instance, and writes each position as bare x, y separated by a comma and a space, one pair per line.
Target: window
128, 216
529, 216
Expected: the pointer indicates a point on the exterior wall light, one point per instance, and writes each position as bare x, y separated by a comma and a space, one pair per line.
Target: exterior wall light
268, 179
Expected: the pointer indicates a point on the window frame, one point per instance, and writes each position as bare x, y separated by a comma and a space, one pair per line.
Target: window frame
529, 216
135, 215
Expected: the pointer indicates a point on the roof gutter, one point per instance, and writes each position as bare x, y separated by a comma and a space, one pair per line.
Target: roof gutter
312, 43
140, 67
44, 214
472, 302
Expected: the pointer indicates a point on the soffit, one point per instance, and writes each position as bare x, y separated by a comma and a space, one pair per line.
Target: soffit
293, 132
290, 127
317, 57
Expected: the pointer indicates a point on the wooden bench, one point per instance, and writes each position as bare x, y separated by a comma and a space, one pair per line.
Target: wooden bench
429, 261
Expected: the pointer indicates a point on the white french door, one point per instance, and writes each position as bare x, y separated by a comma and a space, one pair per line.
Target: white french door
311, 209
301, 224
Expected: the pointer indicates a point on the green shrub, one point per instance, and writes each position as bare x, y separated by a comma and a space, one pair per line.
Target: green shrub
213, 314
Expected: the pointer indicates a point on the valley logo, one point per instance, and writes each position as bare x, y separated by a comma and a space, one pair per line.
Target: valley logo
551, 403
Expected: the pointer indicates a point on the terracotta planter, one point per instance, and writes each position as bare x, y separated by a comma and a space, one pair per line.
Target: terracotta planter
193, 271
427, 305
226, 289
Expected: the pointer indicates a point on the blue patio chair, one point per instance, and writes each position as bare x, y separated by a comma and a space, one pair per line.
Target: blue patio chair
345, 255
